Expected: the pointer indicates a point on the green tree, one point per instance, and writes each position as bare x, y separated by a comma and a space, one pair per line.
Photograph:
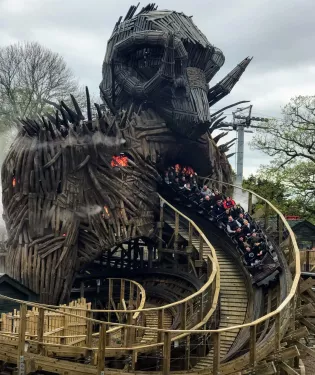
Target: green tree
291, 143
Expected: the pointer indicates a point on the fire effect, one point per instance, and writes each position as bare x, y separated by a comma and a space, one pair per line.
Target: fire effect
13, 182
183, 170
119, 161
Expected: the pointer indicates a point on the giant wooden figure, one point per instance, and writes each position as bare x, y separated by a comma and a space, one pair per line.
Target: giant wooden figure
65, 197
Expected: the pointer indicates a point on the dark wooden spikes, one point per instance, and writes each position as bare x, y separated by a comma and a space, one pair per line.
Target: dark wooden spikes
65, 117
108, 102
229, 106
72, 114
77, 107
219, 136
98, 110
88, 108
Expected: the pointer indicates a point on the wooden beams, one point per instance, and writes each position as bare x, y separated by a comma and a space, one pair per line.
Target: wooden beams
101, 350
21, 345
167, 353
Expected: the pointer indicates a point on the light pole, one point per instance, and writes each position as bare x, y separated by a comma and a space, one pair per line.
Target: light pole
241, 124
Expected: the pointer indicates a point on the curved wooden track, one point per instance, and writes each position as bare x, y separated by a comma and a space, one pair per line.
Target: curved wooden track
246, 338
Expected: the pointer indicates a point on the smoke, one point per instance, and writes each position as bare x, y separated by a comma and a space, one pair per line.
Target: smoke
101, 139
97, 138
86, 211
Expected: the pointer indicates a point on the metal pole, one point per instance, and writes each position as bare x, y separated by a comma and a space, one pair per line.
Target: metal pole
240, 154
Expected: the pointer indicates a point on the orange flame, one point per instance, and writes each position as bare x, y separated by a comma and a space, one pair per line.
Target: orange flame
119, 161
106, 210
13, 182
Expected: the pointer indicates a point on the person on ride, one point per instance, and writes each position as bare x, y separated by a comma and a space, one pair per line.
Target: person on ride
187, 187
258, 249
233, 225
228, 203
246, 228
206, 203
236, 211
217, 209
166, 178
253, 238
182, 182
205, 191
241, 243
225, 217
176, 183
250, 256
217, 196
240, 218
171, 174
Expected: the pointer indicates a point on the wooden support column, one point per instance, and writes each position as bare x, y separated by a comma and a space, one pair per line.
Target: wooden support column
187, 354
167, 353
130, 331
250, 203
131, 294
252, 348
160, 325
216, 353
307, 261
134, 358
21, 345
89, 332
176, 231
122, 292
201, 307
110, 295
183, 315
40, 330
101, 351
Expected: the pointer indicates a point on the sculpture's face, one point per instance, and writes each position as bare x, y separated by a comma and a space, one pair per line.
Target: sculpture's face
169, 66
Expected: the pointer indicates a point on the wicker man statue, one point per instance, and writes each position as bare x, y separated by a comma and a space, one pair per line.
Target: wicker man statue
68, 192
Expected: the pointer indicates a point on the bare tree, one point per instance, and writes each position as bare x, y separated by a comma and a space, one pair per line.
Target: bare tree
30, 74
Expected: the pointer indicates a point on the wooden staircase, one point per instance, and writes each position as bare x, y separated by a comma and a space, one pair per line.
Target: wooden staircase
233, 294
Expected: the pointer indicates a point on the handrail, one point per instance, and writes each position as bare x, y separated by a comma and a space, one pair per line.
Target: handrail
215, 275
255, 322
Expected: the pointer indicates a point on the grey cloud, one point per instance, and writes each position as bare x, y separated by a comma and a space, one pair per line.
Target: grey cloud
279, 34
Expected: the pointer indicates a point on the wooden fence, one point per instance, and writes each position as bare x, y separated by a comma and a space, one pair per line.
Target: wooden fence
307, 260
58, 328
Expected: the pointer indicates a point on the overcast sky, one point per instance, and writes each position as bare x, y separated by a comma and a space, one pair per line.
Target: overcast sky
280, 34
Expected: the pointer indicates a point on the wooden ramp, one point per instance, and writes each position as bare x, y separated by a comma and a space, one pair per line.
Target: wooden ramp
233, 294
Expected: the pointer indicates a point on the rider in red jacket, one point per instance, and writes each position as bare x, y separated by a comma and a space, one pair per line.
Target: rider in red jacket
228, 203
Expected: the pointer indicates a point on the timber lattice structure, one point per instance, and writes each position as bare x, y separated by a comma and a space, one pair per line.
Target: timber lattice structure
157, 288
185, 336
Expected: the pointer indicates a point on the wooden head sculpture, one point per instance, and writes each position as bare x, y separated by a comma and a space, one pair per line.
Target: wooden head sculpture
161, 58
74, 187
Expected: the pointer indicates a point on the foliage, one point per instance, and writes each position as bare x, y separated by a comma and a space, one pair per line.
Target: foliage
30, 74
291, 141
293, 137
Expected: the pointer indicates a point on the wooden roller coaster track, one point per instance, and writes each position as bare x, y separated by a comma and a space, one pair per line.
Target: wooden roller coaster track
247, 341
